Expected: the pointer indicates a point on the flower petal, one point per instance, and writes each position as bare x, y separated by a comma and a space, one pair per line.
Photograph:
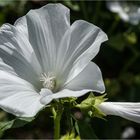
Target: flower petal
18, 96
114, 6
21, 25
16, 54
90, 78
130, 111
79, 46
118, 8
48, 96
46, 27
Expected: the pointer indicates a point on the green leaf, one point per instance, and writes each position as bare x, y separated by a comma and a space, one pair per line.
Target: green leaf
6, 125
85, 130
18, 122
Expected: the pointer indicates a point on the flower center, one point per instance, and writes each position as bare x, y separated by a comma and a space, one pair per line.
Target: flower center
48, 80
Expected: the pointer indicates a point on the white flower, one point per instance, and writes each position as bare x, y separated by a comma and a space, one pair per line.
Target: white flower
127, 12
43, 57
129, 132
130, 111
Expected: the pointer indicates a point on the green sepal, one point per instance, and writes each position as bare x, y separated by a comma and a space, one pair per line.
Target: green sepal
71, 100
90, 105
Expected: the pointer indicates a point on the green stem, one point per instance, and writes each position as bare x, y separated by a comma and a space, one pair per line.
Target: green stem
57, 114
57, 127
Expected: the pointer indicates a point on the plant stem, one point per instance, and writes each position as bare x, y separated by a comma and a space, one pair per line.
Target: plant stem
57, 127
57, 114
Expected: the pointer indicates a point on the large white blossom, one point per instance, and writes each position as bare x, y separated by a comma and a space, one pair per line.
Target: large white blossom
127, 12
43, 57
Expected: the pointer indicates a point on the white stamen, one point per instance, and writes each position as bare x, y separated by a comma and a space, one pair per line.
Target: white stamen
48, 81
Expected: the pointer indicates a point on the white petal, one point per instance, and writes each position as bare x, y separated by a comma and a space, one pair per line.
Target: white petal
7, 68
48, 96
90, 78
16, 54
118, 8
134, 14
21, 25
46, 27
79, 46
69, 93
124, 16
18, 96
13, 39
130, 111
114, 6
122, 9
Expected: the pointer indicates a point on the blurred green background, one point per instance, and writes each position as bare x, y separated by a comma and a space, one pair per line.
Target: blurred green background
118, 59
